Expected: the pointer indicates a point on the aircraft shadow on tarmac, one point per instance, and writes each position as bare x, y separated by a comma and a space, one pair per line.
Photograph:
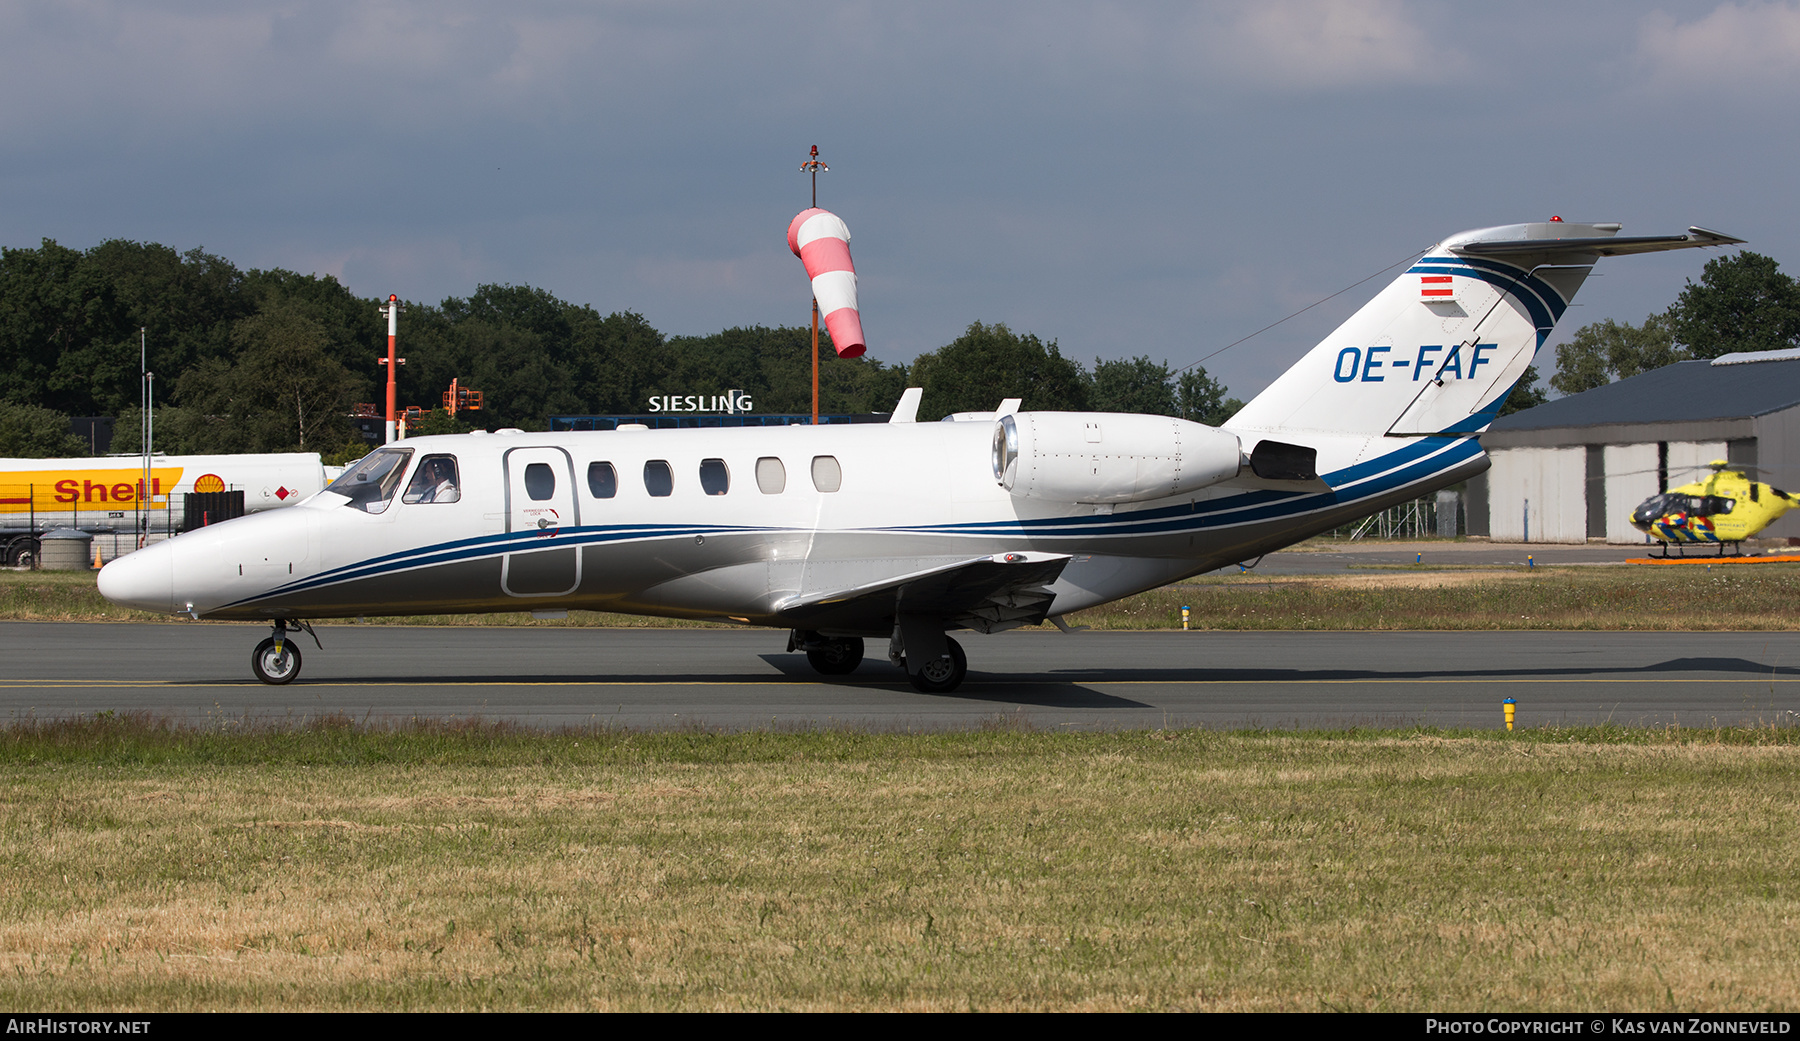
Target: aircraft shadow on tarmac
1070, 688
1227, 675
1029, 691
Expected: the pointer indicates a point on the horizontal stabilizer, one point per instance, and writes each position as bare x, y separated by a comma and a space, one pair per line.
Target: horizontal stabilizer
986, 594
1599, 245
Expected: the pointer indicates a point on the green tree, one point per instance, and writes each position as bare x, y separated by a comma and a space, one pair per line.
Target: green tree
53, 309
440, 421
989, 363
1604, 351
774, 367
1743, 303
70, 321
31, 432
1142, 386
283, 392
1134, 385
1525, 393
1201, 399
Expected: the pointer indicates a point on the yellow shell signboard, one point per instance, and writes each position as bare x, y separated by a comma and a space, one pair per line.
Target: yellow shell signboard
60, 491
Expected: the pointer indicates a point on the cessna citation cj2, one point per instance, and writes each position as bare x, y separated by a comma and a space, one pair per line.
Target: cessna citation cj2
903, 530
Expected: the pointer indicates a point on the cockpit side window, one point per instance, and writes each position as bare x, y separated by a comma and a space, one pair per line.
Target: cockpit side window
370, 484
434, 481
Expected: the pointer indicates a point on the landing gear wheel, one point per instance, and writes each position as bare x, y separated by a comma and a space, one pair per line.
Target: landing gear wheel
837, 656
275, 667
942, 676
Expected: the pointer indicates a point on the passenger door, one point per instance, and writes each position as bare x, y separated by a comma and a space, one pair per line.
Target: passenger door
540, 500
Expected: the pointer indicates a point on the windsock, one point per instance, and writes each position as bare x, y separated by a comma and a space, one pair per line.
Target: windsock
822, 242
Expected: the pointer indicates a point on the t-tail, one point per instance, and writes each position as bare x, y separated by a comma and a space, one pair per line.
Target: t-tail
1438, 351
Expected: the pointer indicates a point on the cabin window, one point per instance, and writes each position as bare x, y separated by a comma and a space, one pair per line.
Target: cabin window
715, 478
540, 481
434, 481
771, 476
370, 484
659, 480
827, 475
603, 480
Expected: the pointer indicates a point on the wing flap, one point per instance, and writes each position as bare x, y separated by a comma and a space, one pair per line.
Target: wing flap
987, 594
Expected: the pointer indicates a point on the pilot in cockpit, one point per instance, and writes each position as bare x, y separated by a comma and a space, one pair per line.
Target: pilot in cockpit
435, 481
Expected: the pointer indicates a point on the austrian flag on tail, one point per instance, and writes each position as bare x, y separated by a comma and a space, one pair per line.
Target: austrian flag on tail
822, 242
1435, 288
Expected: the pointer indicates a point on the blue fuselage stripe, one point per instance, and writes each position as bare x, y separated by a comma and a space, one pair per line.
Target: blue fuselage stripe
1415, 462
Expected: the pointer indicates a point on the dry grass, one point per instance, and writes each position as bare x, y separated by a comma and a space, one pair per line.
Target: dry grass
1411, 597
338, 867
1376, 597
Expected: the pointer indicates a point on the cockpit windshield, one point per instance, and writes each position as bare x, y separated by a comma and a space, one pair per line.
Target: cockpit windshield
370, 484
1658, 506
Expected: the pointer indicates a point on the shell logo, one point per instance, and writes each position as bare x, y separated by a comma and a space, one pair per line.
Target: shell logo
209, 483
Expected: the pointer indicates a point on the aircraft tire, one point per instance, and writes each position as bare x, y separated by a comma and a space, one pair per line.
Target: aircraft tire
837, 656
942, 677
275, 668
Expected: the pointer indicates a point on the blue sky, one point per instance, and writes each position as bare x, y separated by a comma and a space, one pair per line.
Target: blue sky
1126, 179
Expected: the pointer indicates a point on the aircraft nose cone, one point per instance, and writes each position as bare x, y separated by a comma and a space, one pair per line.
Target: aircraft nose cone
144, 580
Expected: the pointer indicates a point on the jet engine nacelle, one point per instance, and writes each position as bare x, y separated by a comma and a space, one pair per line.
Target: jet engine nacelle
1105, 457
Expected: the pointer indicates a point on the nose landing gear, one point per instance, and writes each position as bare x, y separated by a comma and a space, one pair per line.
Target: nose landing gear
276, 660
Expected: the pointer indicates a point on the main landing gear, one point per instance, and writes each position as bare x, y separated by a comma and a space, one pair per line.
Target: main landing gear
828, 655
276, 660
942, 674
934, 663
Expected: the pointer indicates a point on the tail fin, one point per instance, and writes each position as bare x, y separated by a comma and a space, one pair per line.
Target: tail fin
1438, 351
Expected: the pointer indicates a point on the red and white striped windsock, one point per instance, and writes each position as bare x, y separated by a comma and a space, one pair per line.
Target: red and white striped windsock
822, 242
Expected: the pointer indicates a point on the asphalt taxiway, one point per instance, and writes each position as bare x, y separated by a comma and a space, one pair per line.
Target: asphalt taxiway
731, 679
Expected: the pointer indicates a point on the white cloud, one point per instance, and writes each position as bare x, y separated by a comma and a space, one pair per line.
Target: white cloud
1749, 46
1331, 43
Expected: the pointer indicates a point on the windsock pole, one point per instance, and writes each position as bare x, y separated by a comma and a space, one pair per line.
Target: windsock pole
392, 309
812, 166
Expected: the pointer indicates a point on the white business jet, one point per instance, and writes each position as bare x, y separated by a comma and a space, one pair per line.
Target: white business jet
903, 530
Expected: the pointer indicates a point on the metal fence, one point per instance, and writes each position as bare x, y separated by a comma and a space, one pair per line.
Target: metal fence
1434, 517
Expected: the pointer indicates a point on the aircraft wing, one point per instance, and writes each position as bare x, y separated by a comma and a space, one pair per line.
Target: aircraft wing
987, 594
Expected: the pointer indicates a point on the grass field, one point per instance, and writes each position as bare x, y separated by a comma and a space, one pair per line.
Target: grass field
1762, 597
348, 867
338, 865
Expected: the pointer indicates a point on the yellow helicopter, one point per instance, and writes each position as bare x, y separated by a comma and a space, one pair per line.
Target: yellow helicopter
1724, 509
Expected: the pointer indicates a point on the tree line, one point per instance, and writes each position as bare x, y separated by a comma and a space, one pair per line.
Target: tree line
1743, 302
263, 361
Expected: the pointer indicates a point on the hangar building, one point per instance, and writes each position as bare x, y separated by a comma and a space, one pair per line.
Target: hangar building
1573, 468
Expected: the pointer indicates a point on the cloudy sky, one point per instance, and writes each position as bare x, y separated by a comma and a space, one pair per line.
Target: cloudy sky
1126, 179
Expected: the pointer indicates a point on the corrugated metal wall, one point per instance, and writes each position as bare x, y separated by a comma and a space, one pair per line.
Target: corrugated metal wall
1541, 489
1630, 479
1552, 484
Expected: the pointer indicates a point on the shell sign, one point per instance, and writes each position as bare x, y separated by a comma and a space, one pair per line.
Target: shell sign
84, 489
209, 483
